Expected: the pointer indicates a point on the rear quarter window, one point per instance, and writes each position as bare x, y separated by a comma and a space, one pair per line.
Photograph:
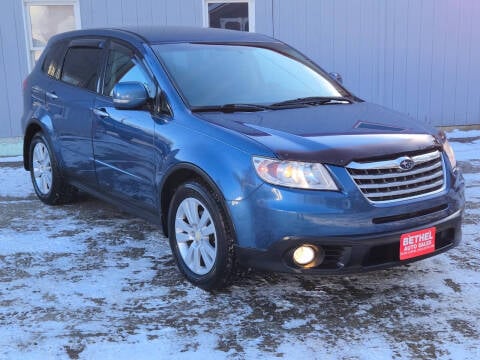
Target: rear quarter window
52, 64
81, 67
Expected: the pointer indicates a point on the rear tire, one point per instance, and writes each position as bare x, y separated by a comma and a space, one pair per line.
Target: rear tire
47, 181
200, 236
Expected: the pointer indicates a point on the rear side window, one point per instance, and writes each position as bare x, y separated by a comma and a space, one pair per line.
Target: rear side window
81, 66
52, 64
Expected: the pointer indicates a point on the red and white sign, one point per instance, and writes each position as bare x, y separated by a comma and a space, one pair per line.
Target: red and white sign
417, 243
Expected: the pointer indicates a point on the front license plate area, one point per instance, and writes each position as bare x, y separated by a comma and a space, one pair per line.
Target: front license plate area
417, 243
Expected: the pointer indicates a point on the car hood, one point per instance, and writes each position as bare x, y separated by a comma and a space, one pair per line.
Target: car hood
334, 134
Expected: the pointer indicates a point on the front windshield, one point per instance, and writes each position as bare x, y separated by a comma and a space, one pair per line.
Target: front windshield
219, 74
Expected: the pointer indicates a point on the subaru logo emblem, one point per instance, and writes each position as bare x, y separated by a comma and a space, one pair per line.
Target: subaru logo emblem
406, 163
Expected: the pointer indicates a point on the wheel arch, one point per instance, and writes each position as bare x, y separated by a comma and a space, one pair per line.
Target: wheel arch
30, 132
179, 174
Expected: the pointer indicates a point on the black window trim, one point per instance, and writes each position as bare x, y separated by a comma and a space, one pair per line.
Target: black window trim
158, 98
90, 42
85, 42
103, 43
64, 44
138, 56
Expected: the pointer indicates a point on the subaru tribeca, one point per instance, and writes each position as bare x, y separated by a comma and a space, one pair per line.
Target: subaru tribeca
246, 152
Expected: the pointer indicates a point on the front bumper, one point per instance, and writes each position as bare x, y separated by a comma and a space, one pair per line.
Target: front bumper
355, 234
353, 253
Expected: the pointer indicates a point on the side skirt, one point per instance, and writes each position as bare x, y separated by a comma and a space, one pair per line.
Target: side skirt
150, 216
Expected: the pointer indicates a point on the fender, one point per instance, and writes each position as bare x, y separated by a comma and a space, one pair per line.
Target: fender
40, 118
212, 162
179, 171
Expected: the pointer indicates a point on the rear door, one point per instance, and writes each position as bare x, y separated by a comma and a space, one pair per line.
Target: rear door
123, 139
51, 67
71, 99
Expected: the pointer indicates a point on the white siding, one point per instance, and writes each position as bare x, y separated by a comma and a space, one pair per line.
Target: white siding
97, 13
418, 57
13, 66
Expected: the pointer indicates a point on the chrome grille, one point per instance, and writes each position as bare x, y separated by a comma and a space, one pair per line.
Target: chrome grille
395, 179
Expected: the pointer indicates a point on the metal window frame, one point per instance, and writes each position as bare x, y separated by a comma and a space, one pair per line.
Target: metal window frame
251, 11
28, 23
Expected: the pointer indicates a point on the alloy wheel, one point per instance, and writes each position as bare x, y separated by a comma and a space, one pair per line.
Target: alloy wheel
42, 168
196, 236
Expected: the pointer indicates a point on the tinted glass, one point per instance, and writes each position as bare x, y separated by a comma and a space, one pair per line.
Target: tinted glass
122, 66
212, 74
80, 67
53, 59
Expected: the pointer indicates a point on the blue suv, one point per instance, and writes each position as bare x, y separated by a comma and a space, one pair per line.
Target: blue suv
245, 152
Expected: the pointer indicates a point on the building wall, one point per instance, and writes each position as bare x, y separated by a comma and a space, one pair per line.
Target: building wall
13, 66
419, 57
141, 12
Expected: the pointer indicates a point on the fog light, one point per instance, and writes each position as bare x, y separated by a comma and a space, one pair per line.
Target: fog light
304, 255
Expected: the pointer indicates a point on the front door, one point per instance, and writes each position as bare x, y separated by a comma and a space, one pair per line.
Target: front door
123, 139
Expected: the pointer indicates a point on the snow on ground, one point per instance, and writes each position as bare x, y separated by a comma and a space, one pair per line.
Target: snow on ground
86, 281
10, 159
463, 134
15, 182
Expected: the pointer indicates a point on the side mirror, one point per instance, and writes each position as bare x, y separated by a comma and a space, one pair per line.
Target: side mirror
337, 77
129, 95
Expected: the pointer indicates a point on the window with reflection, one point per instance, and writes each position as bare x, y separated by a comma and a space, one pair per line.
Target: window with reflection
123, 66
81, 67
228, 15
45, 19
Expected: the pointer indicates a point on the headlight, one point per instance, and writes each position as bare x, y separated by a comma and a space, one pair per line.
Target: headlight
294, 174
450, 154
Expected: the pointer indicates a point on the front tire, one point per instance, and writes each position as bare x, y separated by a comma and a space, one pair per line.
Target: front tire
47, 181
200, 236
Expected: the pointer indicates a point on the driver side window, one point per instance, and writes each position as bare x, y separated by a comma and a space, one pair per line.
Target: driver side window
123, 66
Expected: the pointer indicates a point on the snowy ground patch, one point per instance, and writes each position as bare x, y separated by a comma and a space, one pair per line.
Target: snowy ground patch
87, 281
11, 159
15, 183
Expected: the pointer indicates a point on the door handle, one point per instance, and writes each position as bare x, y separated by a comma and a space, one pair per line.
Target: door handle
101, 112
51, 95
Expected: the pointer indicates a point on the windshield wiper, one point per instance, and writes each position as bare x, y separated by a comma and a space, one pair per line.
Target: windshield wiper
231, 108
312, 101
